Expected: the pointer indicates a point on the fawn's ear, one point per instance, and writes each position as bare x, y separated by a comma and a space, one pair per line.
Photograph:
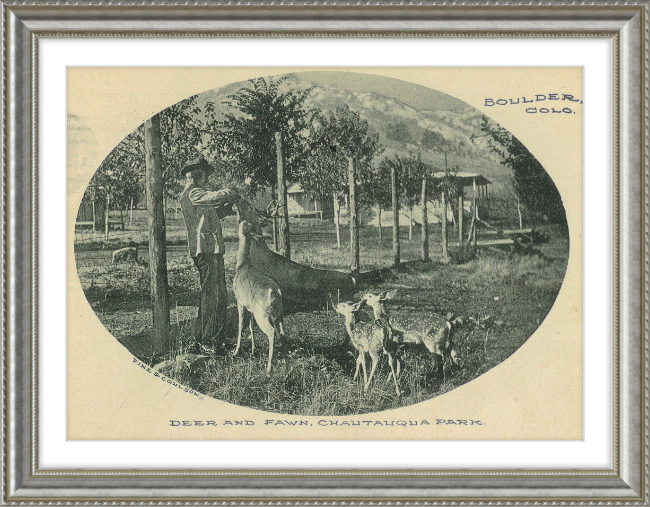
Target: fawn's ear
389, 294
357, 306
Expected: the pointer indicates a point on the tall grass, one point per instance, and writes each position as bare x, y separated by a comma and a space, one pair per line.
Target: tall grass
501, 300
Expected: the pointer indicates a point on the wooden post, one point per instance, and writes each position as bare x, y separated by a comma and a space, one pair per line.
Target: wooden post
157, 235
460, 218
284, 248
94, 217
354, 218
394, 182
337, 220
108, 202
444, 224
425, 222
380, 229
472, 229
131, 212
475, 226
274, 195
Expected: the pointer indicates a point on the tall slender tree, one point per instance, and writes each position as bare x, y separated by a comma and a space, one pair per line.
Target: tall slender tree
533, 185
245, 137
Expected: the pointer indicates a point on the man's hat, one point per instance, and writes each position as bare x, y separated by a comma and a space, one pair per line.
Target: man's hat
196, 164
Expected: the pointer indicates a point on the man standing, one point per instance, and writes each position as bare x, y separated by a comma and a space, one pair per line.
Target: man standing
202, 212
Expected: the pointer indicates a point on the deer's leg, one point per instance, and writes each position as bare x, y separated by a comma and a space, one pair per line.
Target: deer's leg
392, 372
243, 315
269, 330
362, 355
372, 370
250, 323
356, 371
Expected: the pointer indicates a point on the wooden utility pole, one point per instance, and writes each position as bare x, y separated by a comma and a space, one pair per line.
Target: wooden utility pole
354, 218
394, 182
444, 224
157, 235
425, 222
284, 248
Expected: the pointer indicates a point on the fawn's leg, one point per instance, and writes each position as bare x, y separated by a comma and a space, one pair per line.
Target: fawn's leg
363, 365
392, 372
372, 370
356, 371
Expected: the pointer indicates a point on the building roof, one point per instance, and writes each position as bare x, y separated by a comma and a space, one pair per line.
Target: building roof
295, 189
466, 178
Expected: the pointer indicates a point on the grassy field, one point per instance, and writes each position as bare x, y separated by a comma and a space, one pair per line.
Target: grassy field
501, 299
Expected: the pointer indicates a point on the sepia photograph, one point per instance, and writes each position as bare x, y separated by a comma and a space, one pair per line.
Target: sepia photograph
320, 244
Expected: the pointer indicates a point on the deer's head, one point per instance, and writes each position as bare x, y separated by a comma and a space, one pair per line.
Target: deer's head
256, 219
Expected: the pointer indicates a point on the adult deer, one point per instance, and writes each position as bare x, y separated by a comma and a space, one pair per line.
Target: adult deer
257, 295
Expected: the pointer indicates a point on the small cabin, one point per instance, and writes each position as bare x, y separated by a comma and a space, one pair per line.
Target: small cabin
300, 204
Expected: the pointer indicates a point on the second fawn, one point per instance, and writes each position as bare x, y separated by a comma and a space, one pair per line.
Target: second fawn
433, 331
368, 338
257, 295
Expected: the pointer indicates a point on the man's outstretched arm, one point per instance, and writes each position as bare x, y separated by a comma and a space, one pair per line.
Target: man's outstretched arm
215, 199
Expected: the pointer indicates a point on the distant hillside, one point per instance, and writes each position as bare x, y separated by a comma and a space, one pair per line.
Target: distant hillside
396, 118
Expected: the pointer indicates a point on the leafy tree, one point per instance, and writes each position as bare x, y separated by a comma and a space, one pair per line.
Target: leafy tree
413, 170
399, 132
377, 190
122, 173
394, 165
433, 141
119, 178
532, 183
181, 138
245, 137
334, 137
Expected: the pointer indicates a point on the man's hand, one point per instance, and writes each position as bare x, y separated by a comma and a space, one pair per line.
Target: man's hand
231, 195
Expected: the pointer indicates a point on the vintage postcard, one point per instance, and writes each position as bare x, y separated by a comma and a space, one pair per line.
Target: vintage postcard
325, 253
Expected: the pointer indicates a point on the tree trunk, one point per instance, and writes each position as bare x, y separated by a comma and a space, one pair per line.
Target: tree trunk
410, 224
283, 229
521, 223
394, 181
157, 235
354, 218
380, 228
425, 222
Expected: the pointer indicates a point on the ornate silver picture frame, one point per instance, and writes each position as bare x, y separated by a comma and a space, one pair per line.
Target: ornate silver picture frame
625, 24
